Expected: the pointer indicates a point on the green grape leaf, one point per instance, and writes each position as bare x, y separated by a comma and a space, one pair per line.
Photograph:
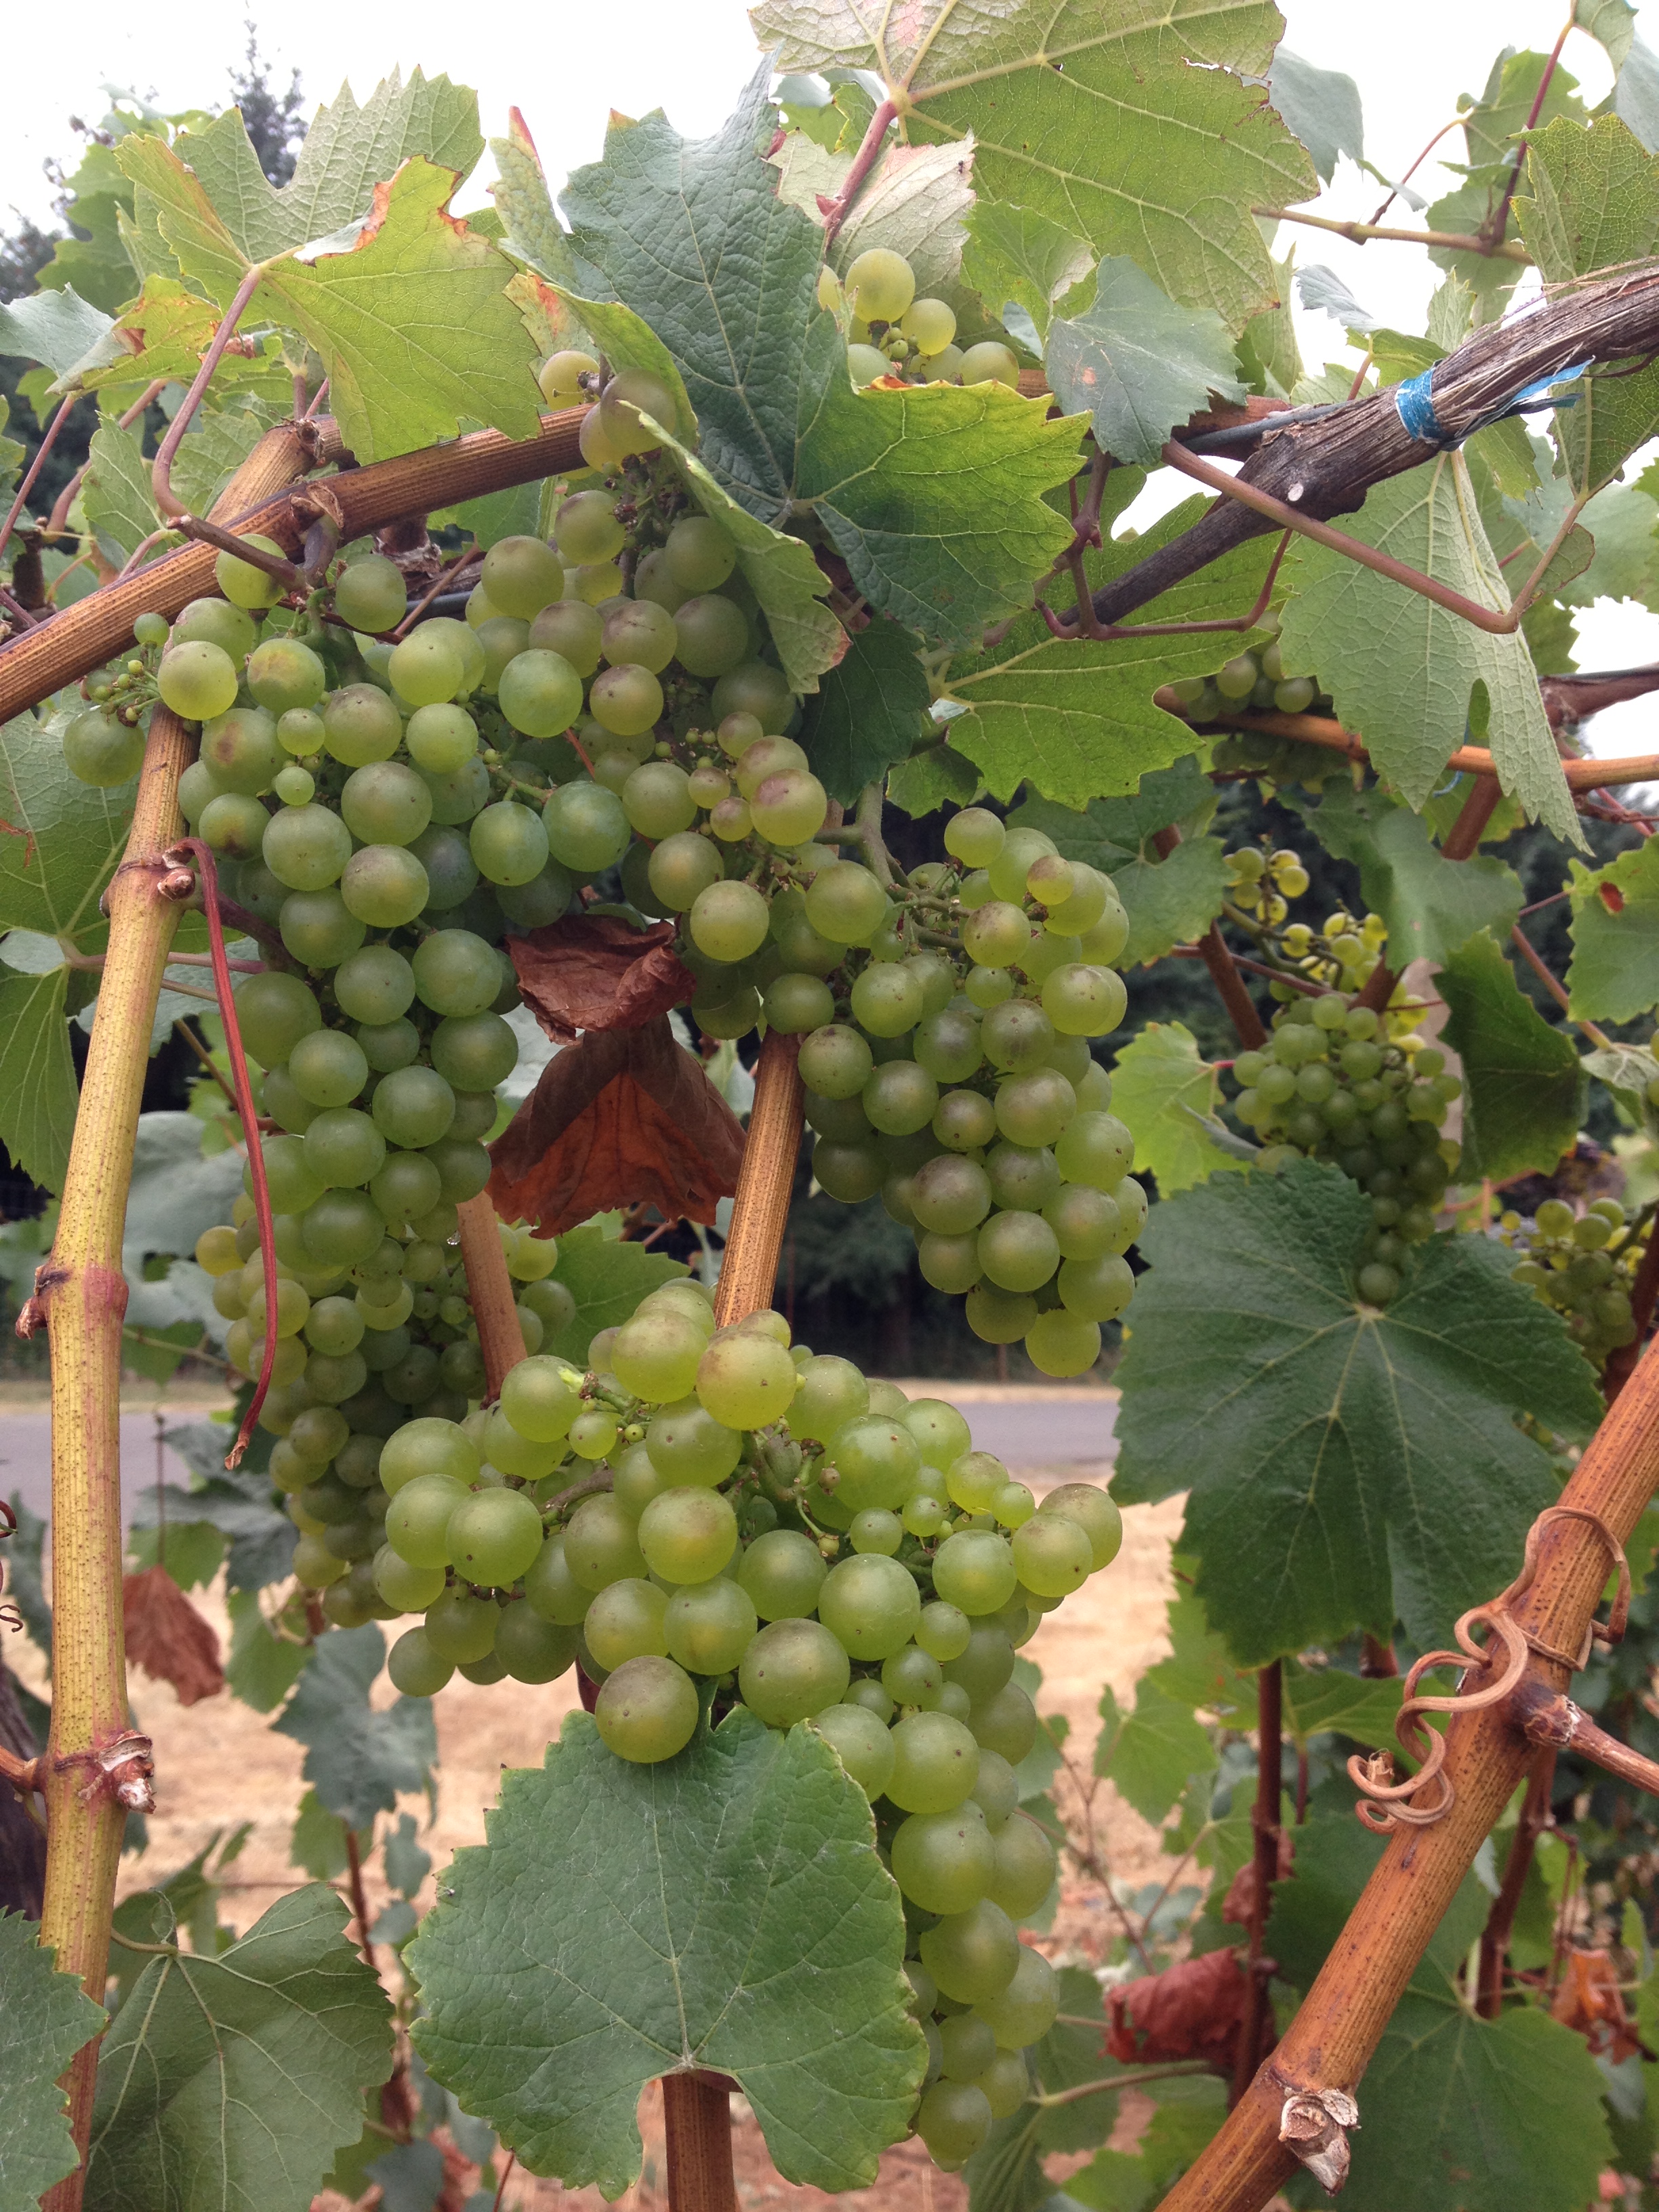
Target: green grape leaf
1324, 1701
532, 230
1614, 972
1590, 200
931, 778
1618, 523
1151, 1753
1137, 364
115, 493
45, 2019
695, 239
1431, 904
11, 453
725, 1908
1080, 111
39, 1093
407, 308
1269, 359
164, 333
1167, 1094
1403, 671
935, 496
1109, 831
1014, 254
1077, 719
214, 447
261, 1667
1627, 1071
59, 839
233, 2081
607, 1279
1523, 1088
869, 711
58, 329
1346, 1465
358, 1760
348, 151
1322, 107
1335, 1857
1171, 900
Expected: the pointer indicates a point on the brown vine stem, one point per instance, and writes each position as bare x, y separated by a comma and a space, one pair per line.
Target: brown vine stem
489, 1287
1212, 951
1498, 222
836, 211
1342, 2018
1457, 242
1265, 1835
1464, 838
160, 471
1555, 988
1500, 1921
66, 408
83, 636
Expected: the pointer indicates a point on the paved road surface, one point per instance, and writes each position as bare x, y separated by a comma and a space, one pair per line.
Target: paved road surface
1036, 1431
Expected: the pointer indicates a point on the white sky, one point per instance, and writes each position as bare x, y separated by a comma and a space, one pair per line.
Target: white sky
565, 67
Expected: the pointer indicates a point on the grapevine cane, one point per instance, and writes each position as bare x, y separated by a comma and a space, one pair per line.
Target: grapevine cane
95, 1768
696, 2107
489, 1287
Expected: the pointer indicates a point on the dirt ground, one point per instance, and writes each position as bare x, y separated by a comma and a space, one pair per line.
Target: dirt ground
217, 1762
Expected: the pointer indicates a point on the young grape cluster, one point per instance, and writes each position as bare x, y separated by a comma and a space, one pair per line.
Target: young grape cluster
1262, 884
891, 332
956, 1080
1330, 1084
1252, 682
1582, 1266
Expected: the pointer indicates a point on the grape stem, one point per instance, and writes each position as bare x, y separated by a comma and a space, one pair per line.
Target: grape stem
1049, 2100
836, 211
489, 1287
589, 1486
1264, 1865
160, 474
1597, 1036
58, 522
1214, 951
66, 408
1456, 241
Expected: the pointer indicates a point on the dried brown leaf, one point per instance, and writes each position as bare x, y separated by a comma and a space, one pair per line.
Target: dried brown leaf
1240, 1901
167, 1638
597, 972
1194, 2010
622, 1117
1591, 2001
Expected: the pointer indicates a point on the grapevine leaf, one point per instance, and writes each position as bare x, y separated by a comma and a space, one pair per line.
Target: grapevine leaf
44, 2021
598, 972
1402, 671
1167, 1094
1345, 1465
620, 1118
916, 203
1324, 1701
1431, 904
1137, 364
412, 321
1593, 203
58, 329
39, 1093
1523, 1088
1618, 522
1614, 973
1015, 254
1322, 107
214, 447
175, 1194
1151, 1753
1627, 1070
533, 231
1082, 112
1109, 831
869, 712
348, 151
1171, 900
1078, 718
262, 1667
167, 1638
931, 778
11, 453
1269, 359
607, 1279
694, 238
726, 1909
358, 1760
232, 2080
59, 839
164, 332
934, 496
115, 493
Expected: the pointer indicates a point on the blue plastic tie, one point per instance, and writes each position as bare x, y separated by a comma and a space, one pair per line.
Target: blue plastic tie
1414, 400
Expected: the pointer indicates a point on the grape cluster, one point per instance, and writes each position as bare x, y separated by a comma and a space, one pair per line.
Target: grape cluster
1330, 1084
1581, 1266
1254, 683
956, 1080
891, 332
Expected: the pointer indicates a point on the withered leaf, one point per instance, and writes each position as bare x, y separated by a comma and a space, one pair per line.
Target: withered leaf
167, 1638
1240, 1900
1194, 2010
622, 1117
597, 972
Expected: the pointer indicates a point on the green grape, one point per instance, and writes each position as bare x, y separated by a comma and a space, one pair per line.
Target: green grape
462, 1627
332, 1382
239, 750
687, 1534
370, 594
835, 1062
456, 797
699, 553
682, 868
521, 576
744, 1381
1095, 1149
560, 376
791, 1671
1052, 1555
587, 827
463, 1169
494, 1536
454, 972
1016, 1036
343, 1148
974, 837
572, 630
1032, 1110
832, 1392
729, 920
231, 629
1024, 2011
630, 395
418, 1517
342, 1228
936, 1761
383, 886
972, 1954
405, 1588
626, 700
413, 1108
233, 824
938, 1428
284, 674
710, 1626
900, 1098
327, 1067
688, 1445
1086, 1221
944, 1862
862, 1742
783, 1572
1026, 1867
877, 1462
375, 987
845, 903
335, 1326
1085, 1001
988, 987
988, 362
198, 680
987, 1664
944, 1631
1005, 1723
292, 1304
274, 1011
543, 899
474, 1052
386, 803
951, 1194
974, 1571
1017, 1251
1096, 1290
360, 725
871, 1605
712, 635
653, 579
540, 1401
655, 1356
1062, 1343
292, 1184
295, 786
552, 1591
639, 632
533, 1649
964, 1121
880, 285
797, 1004
416, 1668
540, 693
508, 843
601, 1544
864, 363
947, 1044
625, 1621
648, 1709
996, 935
102, 751
317, 928
300, 732
877, 1530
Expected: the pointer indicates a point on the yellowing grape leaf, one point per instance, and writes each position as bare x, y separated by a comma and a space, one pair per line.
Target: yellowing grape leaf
1073, 110
725, 1908
1403, 671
